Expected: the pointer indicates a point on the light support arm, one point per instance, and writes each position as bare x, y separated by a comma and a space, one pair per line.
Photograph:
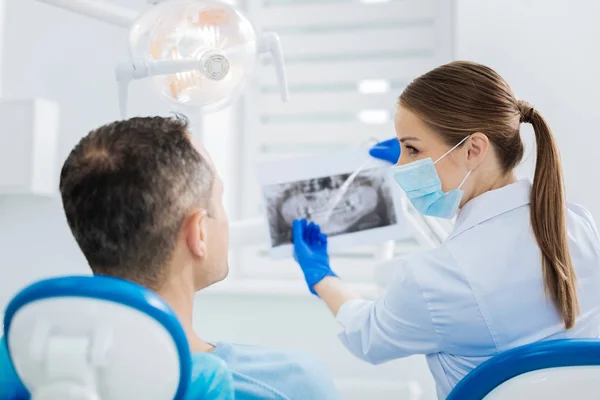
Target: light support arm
269, 43
139, 69
97, 9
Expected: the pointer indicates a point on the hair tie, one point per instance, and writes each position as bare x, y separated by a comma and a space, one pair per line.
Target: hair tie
526, 111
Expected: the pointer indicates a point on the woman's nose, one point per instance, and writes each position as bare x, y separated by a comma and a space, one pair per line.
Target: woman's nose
402, 159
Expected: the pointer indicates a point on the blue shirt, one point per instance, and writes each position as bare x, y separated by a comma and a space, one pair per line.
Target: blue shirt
257, 373
266, 374
479, 294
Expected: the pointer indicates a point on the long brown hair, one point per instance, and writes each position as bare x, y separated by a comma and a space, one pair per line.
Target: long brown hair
461, 98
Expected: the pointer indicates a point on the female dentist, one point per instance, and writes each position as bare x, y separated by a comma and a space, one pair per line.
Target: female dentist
520, 265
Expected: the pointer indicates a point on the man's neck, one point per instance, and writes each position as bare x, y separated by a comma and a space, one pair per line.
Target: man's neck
179, 294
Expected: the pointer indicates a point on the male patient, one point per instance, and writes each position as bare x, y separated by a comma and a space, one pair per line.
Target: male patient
144, 204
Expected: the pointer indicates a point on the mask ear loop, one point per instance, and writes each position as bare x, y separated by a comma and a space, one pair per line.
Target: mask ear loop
451, 150
465, 179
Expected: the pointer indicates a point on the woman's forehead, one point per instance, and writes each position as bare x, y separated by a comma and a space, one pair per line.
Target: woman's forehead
408, 124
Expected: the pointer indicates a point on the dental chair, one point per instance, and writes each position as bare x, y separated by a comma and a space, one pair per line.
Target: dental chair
550, 370
102, 338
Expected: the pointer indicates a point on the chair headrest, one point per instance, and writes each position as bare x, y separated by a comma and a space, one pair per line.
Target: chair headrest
550, 354
111, 336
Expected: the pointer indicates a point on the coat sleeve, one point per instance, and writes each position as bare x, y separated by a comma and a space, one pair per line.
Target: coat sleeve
396, 325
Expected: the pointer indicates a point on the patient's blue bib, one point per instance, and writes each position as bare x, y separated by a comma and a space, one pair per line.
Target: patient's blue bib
268, 374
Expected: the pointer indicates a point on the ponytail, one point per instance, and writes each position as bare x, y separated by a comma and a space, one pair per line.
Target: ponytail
548, 219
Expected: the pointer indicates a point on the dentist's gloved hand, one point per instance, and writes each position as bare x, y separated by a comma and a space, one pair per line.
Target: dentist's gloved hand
388, 150
310, 251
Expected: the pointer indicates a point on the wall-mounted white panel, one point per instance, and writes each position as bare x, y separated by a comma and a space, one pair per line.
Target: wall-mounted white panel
29, 146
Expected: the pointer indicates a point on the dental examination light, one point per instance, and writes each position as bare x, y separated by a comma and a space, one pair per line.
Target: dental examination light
200, 54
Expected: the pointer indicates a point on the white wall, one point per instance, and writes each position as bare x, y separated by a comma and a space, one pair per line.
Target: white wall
546, 49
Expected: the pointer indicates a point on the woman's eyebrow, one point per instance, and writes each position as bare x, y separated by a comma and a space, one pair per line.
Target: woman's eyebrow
404, 139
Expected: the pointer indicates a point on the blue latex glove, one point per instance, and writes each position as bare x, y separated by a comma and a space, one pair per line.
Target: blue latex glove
310, 251
388, 150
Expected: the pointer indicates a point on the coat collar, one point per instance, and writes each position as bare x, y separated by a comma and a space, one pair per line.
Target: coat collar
492, 204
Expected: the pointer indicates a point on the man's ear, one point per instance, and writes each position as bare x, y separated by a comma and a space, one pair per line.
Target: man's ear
477, 147
195, 233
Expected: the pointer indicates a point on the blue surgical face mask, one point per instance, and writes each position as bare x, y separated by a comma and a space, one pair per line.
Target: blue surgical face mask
423, 187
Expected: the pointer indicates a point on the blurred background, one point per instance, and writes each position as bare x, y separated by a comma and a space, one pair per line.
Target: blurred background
347, 62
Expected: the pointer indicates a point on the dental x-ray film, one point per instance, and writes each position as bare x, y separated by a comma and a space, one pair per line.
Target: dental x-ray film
349, 194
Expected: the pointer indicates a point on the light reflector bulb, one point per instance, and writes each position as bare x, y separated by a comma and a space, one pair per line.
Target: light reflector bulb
214, 33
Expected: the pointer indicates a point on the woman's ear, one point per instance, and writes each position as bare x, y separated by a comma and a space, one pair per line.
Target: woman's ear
195, 233
477, 147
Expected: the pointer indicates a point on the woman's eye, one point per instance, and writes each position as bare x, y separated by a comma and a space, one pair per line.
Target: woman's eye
411, 150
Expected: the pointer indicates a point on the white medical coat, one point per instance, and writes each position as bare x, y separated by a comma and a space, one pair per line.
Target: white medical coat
480, 293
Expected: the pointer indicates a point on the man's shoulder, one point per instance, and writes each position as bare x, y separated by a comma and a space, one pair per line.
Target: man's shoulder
290, 374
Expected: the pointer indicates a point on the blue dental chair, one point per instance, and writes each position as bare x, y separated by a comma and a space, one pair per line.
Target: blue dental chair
93, 338
550, 370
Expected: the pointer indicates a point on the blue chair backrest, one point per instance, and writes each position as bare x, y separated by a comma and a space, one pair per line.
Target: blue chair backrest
11, 387
521, 360
207, 378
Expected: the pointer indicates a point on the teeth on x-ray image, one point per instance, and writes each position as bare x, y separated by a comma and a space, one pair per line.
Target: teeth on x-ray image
366, 204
